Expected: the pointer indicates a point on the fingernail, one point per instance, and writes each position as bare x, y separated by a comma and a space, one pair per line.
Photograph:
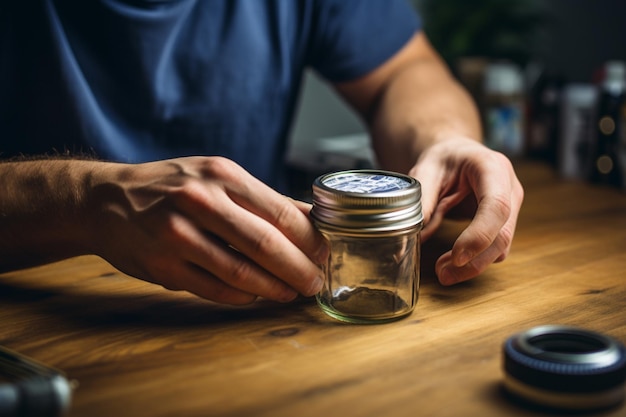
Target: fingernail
446, 276
317, 285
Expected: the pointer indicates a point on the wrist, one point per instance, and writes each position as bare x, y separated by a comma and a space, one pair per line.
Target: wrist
44, 211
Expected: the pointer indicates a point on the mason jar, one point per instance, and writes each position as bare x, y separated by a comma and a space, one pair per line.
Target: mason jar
371, 220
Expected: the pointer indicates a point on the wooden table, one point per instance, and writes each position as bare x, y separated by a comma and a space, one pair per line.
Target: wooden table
139, 350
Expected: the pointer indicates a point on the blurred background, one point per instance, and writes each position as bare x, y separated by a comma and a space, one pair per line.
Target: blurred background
548, 76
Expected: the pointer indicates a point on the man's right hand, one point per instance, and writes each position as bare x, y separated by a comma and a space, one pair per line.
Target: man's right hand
201, 224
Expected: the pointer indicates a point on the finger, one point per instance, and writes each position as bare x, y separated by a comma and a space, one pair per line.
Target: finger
238, 271
167, 255
430, 177
449, 273
322, 248
268, 247
254, 237
289, 216
219, 261
439, 194
495, 197
245, 190
198, 281
304, 207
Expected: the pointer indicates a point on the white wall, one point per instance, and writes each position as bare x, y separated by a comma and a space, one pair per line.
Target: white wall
321, 114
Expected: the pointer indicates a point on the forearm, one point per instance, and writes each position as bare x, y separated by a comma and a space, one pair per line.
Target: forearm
42, 211
420, 106
424, 123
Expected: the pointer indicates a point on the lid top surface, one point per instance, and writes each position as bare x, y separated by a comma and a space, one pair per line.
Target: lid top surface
365, 182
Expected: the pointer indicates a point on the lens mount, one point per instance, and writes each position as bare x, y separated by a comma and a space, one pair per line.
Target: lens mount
565, 367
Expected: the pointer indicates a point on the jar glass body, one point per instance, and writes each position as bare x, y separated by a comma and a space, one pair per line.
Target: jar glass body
371, 277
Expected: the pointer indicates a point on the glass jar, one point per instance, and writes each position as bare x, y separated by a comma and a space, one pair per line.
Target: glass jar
372, 221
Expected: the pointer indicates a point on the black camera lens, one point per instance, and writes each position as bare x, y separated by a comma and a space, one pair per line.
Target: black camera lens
565, 367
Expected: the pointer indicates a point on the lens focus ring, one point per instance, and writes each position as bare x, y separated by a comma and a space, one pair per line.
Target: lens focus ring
565, 366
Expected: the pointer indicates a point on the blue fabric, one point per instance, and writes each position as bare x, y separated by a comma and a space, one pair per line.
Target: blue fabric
140, 80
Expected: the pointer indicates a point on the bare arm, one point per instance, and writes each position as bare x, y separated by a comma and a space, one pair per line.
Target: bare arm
424, 123
200, 224
411, 102
41, 212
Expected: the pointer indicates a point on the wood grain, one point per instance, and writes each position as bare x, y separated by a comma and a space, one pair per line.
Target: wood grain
139, 350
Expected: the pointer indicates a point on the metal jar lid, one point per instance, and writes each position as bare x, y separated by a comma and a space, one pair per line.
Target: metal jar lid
366, 201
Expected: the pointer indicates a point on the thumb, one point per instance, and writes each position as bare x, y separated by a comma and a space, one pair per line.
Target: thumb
430, 179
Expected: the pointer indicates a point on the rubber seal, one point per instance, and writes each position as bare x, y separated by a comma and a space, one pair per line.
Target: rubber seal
565, 367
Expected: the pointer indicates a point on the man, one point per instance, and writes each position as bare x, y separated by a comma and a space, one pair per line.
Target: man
152, 85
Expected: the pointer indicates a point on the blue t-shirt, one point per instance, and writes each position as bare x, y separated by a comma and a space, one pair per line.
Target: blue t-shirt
141, 80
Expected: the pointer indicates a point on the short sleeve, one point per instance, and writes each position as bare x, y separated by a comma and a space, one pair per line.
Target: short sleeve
352, 37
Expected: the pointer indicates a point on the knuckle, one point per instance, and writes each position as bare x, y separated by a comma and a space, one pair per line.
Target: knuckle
507, 166
519, 191
502, 204
194, 195
172, 229
241, 273
220, 167
505, 238
482, 240
503, 243
190, 190
285, 215
265, 244
502, 160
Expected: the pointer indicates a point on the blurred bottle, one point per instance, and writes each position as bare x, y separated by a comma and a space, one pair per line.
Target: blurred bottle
577, 129
543, 117
504, 108
609, 147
